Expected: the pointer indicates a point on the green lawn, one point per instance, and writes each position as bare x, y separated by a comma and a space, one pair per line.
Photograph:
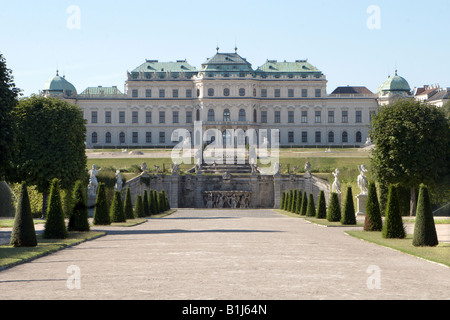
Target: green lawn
9, 223
439, 254
10, 256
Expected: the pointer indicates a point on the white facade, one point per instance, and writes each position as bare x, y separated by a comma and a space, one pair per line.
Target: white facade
159, 102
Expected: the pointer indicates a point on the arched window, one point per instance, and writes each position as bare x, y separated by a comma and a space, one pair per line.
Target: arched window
331, 137
108, 137
226, 115
210, 92
358, 137
226, 92
242, 115
94, 137
211, 116
255, 116
344, 137
122, 137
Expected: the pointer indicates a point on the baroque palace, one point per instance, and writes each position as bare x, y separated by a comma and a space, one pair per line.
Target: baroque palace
227, 93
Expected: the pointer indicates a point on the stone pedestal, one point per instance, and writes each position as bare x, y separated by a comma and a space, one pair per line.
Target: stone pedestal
361, 204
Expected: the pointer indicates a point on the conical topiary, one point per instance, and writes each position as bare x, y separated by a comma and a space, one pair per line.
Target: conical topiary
304, 204
334, 210
101, 211
425, 229
145, 204
294, 201
348, 212
393, 226
117, 213
288, 200
373, 221
79, 218
23, 233
298, 201
156, 202
311, 208
128, 205
55, 226
138, 207
321, 207
283, 198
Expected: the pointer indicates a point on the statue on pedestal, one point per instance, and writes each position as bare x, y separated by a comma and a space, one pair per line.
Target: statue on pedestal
362, 180
336, 187
119, 181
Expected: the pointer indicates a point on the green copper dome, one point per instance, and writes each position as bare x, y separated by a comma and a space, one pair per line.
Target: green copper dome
394, 84
59, 85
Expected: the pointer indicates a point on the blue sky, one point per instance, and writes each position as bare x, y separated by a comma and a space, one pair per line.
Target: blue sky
333, 35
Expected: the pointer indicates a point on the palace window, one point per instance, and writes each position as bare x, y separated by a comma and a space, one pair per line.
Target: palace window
94, 137
148, 117
175, 117
242, 115
211, 115
242, 92
344, 116
291, 137
107, 116
304, 116
358, 137
148, 137
121, 116
277, 116
226, 92
135, 117
148, 93
277, 93
134, 93
135, 137
264, 93
291, 93
162, 117
331, 137
304, 136
318, 116
318, 93
291, 116
188, 93
188, 116
263, 116
358, 116
94, 117
318, 137
226, 115
162, 137
210, 92
344, 137
162, 93
175, 93
330, 116
122, 137
108, 137
304, 93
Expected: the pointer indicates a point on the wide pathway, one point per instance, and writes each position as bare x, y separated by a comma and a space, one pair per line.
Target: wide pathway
226, 255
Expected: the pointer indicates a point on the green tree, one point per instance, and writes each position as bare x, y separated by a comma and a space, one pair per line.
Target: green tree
116, 212
23, 233
145, 204
334, 209
348, 212
304, 205
79, 218
55, 225
321, 206
373, 220
128, 206
413, 145
139, 207
311, 209
424, 229
50, 143
393, 226
8, 100
101, 211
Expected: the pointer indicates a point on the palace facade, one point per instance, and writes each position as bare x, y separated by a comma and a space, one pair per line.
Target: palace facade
226, 93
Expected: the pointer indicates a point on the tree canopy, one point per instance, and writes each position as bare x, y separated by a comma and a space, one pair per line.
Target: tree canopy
8, 99
412, 143
50, 142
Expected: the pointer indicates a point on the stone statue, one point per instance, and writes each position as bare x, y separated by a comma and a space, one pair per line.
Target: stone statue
144, 167
175, 168
307, 167
209, 201
93, 176
119, 182
336, 187
362, 180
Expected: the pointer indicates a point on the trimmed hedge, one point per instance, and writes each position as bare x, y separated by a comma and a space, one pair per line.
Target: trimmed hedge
23, 233
55, 226
101, 211
373, 221
348, 212
128, 206
425, 228
322, 206
393, 226
116, 212
79, 217
311, 209
334, 209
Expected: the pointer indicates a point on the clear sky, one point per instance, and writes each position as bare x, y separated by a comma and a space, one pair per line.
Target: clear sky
98, 42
